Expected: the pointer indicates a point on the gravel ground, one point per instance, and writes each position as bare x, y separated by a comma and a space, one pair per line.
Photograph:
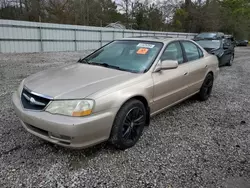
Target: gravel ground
194, 144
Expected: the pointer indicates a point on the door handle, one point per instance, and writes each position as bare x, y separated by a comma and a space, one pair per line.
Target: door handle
186, 73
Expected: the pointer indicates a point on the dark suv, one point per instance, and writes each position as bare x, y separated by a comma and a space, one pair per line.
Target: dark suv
217, 44
242, 43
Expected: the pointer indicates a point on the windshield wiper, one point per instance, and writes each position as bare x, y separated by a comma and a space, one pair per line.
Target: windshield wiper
83, 61
107, 65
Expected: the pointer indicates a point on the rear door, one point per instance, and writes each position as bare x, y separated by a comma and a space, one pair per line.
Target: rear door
196, 64
170, 86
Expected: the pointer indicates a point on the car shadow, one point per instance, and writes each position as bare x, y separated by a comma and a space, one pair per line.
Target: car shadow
80, 158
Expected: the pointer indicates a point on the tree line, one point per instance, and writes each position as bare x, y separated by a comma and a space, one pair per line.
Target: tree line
229, 16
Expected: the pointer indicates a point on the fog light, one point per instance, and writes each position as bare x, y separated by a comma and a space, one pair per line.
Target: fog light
59, 137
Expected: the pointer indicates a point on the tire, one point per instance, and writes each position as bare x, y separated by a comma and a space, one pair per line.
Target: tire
128, 125
230, 63
206, 88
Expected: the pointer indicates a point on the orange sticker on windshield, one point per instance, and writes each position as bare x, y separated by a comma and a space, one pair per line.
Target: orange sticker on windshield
142, 51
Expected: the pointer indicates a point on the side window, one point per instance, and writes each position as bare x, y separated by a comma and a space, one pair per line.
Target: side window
191, 50
173, 52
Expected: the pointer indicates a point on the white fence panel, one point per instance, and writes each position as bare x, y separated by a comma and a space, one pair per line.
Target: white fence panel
22, 36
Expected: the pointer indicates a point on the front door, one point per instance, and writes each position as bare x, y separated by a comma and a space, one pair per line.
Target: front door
197, 66
170, 86
228, 51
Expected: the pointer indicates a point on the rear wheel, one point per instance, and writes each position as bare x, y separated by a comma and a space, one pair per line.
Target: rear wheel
128, 125
206, 88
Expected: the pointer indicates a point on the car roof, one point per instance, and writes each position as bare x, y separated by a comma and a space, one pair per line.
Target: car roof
155, 39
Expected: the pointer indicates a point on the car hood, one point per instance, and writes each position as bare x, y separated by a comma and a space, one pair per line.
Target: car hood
76, 81
215, 51
209, 50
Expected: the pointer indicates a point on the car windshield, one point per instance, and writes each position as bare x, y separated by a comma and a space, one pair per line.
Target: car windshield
209, 43
127, 55
206, 35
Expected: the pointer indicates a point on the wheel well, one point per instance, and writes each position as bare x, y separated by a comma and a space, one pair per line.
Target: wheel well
211, 73
145, 102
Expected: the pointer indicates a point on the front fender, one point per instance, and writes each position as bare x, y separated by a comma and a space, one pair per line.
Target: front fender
213, 66
117, 98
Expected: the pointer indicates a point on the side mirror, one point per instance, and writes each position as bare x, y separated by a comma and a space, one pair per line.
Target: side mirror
166, 65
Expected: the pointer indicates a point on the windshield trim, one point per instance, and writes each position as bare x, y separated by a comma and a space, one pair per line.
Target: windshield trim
149, 66
82, 59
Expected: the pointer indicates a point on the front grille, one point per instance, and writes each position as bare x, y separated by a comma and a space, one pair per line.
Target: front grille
33, 102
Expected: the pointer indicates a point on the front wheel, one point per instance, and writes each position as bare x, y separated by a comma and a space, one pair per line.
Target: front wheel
128, 125
206, 88
230, 61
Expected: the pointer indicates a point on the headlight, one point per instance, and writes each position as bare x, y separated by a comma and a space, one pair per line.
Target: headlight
76, 108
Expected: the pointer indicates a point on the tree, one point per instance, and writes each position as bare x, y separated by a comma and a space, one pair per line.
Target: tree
126, 6
155, 18
229, 16
235, 16
58, 11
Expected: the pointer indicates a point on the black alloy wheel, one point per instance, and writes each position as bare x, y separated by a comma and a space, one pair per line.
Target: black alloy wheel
131, 124
128, 125
206, 88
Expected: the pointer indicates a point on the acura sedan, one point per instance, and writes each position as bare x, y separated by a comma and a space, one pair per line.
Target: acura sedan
111, 94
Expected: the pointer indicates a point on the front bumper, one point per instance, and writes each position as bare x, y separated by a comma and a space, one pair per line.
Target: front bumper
72, 132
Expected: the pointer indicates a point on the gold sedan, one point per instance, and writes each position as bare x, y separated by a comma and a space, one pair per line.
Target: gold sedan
112, 93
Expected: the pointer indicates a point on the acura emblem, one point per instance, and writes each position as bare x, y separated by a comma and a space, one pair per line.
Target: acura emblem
33, 101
